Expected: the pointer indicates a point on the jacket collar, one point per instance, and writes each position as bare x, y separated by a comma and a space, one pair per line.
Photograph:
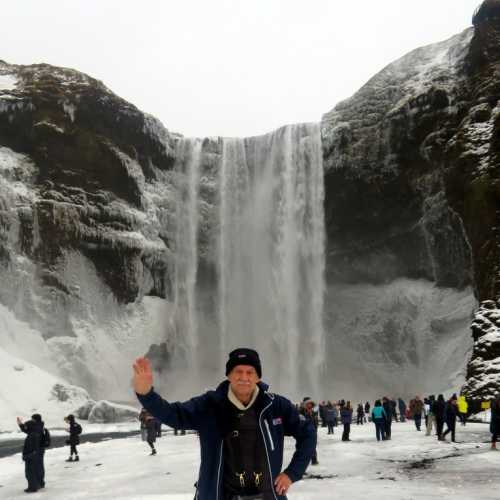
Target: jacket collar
236, 402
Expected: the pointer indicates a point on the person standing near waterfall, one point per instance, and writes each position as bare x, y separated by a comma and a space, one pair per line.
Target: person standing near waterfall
74, 430
346, 419
149, 429
495, 421
386, 404
307, 411
241, 426
44, 443
439, 410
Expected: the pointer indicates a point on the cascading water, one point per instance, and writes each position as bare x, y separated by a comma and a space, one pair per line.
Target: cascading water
187, 245
259, 208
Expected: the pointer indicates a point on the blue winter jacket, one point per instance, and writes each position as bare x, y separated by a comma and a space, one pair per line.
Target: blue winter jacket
207, 414
346, 416
378, 413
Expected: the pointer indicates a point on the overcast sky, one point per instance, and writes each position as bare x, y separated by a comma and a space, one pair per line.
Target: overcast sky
227, 67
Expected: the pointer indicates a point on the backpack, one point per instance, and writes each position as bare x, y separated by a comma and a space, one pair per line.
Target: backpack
78, 429
45, 438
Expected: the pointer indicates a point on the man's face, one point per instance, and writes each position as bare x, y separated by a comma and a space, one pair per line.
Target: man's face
243, 379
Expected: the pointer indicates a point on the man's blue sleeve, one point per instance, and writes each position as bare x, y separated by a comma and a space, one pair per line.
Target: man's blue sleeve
187, 415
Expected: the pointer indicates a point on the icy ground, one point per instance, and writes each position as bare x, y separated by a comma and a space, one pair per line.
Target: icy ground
410, 466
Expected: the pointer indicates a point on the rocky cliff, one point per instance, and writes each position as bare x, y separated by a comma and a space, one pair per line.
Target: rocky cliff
84, 214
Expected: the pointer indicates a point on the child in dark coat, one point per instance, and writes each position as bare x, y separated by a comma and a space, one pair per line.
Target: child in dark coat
75, 429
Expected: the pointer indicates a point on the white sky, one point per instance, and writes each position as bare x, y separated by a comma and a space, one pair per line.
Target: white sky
227, 67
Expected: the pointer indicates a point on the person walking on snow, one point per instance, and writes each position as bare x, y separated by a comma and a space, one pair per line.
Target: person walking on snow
451, 413
346, 419
31, 456
378, 418
393, 407
44, 444
416, 408
438, 410
360, 414
386, 404
402, 410
241, 427
148, 429
495, 421
431, 417
75, 429
310, 415
322, 413
367, 409
463, 408
331, 416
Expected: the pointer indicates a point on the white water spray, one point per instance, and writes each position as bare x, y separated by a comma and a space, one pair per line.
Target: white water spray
187, 245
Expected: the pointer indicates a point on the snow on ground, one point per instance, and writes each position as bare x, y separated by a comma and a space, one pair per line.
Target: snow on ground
409, 467
28, 389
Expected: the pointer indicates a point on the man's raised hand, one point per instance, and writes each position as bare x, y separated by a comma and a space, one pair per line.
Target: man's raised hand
143, 376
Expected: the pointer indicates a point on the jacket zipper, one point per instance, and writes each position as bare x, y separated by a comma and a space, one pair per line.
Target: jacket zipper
219, 468
269, 434
267, 453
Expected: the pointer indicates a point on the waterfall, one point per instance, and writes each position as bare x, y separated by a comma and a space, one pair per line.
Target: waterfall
263, 224
187, 245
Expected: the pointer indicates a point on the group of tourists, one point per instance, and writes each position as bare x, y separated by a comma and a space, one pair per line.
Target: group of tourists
37, 440
330, 413
435, 411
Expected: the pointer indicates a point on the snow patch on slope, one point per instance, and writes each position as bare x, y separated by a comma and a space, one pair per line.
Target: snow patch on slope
8, 82
36, 391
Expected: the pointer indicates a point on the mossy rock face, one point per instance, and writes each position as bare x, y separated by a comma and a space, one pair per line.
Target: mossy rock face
92, 150
74, 127
414, 190
387, 212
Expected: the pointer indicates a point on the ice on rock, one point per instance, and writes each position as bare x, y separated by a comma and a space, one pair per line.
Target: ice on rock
7, 82
108, 412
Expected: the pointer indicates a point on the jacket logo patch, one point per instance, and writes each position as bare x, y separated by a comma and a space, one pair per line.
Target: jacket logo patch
277, 421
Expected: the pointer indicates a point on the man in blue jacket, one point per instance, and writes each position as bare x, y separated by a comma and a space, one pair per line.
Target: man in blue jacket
241, 427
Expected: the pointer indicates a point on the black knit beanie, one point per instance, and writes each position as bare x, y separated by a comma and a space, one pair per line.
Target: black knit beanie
244, 356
